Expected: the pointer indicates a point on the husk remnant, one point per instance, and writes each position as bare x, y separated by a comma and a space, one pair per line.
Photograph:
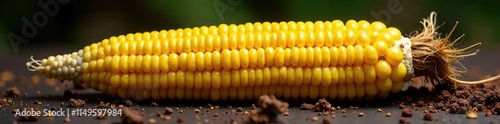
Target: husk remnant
433, 56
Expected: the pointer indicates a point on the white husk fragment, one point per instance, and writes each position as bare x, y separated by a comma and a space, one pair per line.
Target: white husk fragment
405, 45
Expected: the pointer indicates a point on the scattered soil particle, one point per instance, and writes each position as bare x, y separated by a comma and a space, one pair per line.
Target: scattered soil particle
322, 105
197, 110
7, 76
305, 106
180, 120
428, 117
216, 114
13, 92
168, 111
154, 104
401, 106
159, 114
131, 116
379, 110
472, 114
326, 121
253, 107
62, 103
361, 114
76, 102
167, 118
403, 121
487, 113
388, 114
152, 121
286, 113
38, 92
246, 113
103, 105
233, 121
406, 112
334, 116
269, 108
344, 111
66, 120
239, 109
129, 103
314, 118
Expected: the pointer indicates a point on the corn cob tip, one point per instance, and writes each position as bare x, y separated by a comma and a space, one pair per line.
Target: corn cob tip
433, 56
33, 64
62, 67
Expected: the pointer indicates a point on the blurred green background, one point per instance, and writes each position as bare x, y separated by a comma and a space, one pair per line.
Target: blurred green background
79, 23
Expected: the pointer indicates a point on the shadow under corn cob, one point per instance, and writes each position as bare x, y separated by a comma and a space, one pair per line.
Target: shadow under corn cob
322, 59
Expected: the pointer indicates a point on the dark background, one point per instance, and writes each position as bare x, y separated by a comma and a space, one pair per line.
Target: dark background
80, 23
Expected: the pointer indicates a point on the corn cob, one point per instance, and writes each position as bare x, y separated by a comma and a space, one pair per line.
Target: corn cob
322, 59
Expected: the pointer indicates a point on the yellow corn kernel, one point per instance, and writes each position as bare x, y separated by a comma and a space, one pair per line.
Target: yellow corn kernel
398, 72
394, 56
381, 47
383, 85
370, 55
397, 86
394, 32
383, 69
349, 37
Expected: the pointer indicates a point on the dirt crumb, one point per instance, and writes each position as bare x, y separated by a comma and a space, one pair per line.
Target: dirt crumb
361, 114
13, 92
253, 107
388, 114
129, 103
406, 112
306, 106
66, 120
154, 104
428, 117
131, 116
76, 103
239, 109
326, 121
314, 118
472, 114
168, 110
152, 121
180, 120
322, 105
269, 108
403, 121
7, 76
